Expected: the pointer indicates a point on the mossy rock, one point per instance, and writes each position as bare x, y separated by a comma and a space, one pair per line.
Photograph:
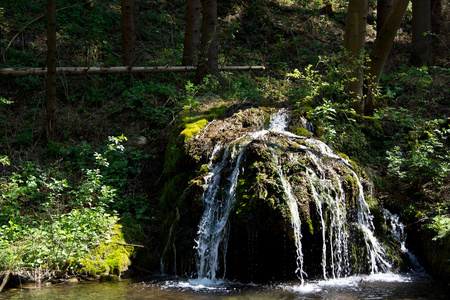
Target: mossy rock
215, 112
355, 166
192, 129
300, 131
308, 111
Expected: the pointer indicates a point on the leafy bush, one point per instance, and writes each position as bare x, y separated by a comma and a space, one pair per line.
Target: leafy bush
48, 222
441, 225
425, 157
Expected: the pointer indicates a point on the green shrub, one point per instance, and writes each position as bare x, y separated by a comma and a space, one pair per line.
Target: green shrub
425, 157
47, 221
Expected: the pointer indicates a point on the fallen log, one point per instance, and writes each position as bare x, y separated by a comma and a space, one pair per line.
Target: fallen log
21, 72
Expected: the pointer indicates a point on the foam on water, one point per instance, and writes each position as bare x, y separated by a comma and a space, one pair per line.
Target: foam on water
346, 282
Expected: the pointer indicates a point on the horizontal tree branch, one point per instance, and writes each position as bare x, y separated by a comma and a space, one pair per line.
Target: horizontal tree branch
20, 72
132, 245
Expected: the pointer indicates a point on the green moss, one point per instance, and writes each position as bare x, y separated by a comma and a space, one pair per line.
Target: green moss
308, 110
109, 257
109, 277
319, 130
173, 189
192, 129
300, 131
173, 156
310, 226
204, 169
373, 125
355, 166
215, 112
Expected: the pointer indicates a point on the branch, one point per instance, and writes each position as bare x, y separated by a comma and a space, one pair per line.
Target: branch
132, 245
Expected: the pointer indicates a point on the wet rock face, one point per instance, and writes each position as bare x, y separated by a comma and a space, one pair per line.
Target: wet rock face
275, 205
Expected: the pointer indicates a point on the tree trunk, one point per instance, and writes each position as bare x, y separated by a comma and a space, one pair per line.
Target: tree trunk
51, 69
192, 33
208, 60
354, 41
422, 41
381, 49
383, 8
128, 32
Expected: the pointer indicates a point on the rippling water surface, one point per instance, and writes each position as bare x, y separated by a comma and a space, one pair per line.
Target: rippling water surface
379, 286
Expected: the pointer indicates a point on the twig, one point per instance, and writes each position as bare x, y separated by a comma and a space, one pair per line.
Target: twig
132, 245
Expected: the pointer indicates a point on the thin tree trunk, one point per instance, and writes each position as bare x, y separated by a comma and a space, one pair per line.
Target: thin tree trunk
354, 41
51, 70
208, 60
381, 49
192, 33
128, 32
422, 41
383, 8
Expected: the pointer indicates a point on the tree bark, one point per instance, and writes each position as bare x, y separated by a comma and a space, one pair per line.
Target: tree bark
383, 8
354, 41
381, 49
422, 41
51, 70
208, 59
192, 33
128, 32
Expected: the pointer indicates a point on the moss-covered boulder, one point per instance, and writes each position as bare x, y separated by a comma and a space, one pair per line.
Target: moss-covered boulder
111, 257
290, 204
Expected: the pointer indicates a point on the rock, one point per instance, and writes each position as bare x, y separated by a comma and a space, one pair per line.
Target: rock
286, 191
71, 280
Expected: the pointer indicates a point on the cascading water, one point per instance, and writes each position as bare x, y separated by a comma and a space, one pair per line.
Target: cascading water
295, 220
213, 224
398, 231
324, 186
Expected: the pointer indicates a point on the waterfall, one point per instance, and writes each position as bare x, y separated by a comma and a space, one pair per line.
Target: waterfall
212, 228
397, 230
325, 188
295, 219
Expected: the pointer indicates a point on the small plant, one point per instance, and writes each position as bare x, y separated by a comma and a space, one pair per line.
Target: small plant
441, 225
441, 222
190, 102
